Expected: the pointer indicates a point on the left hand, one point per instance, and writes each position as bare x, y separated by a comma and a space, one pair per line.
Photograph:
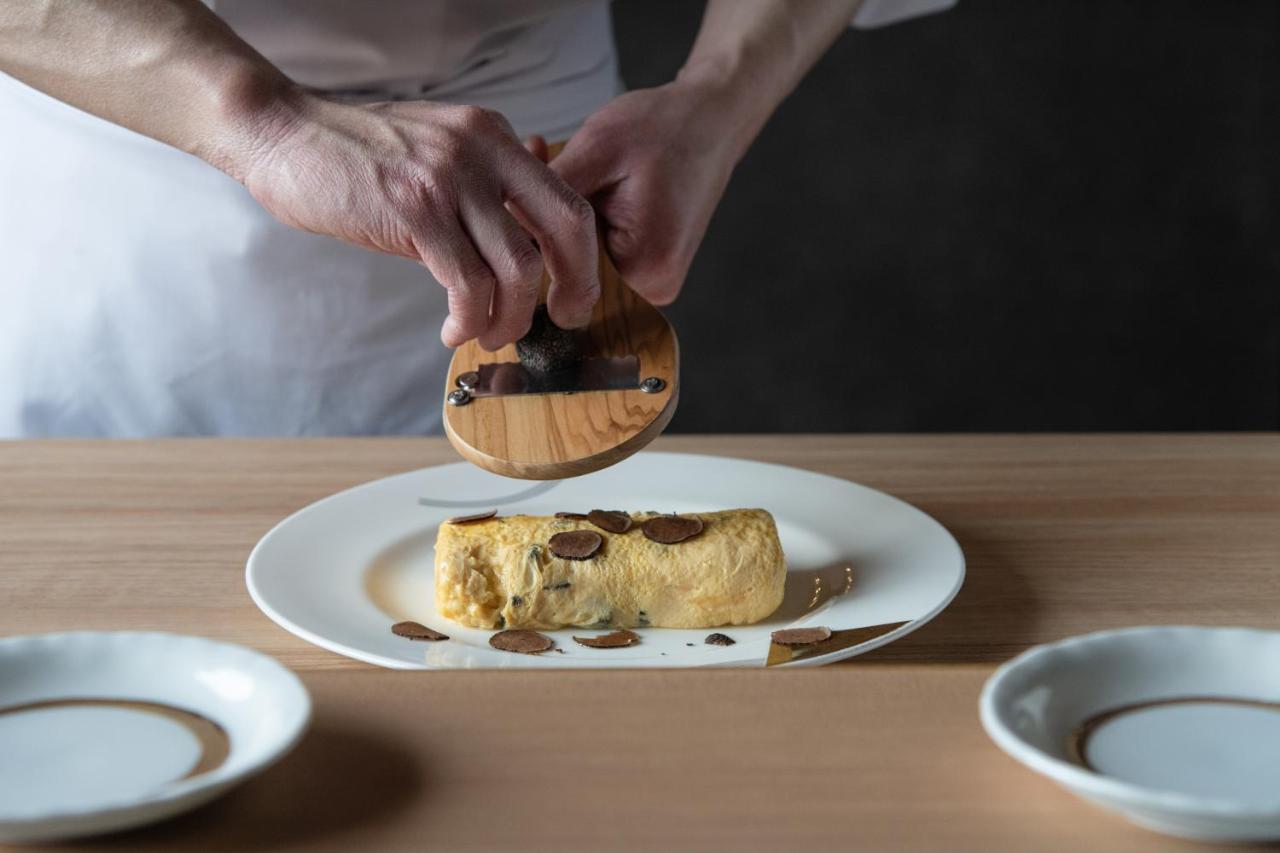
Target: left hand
654, 164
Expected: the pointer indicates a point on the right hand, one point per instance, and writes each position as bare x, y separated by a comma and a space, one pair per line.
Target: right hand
448, 185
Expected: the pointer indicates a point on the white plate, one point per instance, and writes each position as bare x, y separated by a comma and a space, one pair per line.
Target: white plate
79, 755
340, 572
1198, 769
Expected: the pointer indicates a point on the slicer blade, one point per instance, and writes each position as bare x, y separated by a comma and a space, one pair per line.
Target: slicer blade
501, 379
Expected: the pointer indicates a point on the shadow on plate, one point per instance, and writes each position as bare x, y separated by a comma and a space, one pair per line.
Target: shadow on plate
399, 580
809, 589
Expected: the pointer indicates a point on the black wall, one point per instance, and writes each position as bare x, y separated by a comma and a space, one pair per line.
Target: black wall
1012, 216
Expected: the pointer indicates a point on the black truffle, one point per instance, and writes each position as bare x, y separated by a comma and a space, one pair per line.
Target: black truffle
547, 347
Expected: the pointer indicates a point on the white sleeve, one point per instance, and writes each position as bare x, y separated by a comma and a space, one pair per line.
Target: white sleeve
879, 13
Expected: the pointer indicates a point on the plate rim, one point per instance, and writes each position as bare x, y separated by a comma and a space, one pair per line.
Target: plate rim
908, 627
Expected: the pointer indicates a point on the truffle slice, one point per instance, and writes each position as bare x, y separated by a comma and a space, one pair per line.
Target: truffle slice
670, 529
523, 642
610, 521
467, 519
801, 636
616, 640
417, 631
575, 544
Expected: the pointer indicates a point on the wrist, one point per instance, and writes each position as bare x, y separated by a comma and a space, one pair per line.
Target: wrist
252, 109
730, 97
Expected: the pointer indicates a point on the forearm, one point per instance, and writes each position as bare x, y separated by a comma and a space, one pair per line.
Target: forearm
754, 52
169, 69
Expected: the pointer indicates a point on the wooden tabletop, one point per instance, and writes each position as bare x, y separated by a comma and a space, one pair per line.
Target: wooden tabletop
1063, 534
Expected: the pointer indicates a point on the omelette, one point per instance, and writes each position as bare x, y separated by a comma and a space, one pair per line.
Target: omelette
501, 572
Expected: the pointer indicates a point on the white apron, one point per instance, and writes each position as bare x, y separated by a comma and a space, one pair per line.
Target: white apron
142, 292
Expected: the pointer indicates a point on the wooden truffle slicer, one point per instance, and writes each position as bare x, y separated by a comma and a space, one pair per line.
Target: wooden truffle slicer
613, 396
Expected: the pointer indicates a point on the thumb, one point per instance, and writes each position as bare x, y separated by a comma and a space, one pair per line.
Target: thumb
586, 167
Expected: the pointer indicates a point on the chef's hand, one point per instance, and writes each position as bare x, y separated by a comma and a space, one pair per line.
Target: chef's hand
448, 185
653, 163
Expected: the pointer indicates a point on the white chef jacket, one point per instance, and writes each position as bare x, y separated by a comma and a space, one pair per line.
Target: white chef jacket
145, 293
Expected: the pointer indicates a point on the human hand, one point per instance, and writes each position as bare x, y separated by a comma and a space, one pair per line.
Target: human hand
448, 185
654, 164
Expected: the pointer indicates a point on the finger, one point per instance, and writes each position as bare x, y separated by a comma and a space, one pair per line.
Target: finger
586, 167
511, 254
537, 146
591, 170
448, 252
564, 224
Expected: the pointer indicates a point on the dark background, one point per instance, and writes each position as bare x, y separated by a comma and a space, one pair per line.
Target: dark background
1010, 216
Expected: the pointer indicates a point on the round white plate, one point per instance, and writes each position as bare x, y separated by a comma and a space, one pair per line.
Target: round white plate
340, 572
1183, 725
90, 741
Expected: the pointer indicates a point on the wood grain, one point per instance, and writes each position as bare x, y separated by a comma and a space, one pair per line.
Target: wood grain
554, 436
1063, 534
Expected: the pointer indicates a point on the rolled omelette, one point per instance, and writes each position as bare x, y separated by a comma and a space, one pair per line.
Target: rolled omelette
499, 573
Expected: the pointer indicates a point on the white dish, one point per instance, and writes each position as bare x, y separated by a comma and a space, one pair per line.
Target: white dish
1196, 766
101, 731
340, 572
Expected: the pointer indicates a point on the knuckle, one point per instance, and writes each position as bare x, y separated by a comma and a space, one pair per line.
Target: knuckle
472, 280
526, 262
573, 220
579, 212
477, 118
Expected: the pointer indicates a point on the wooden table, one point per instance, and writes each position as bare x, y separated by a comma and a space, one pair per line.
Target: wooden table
1063, 534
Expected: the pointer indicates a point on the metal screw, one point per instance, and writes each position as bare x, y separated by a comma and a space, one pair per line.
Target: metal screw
652, 385
460, 397
468, 380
